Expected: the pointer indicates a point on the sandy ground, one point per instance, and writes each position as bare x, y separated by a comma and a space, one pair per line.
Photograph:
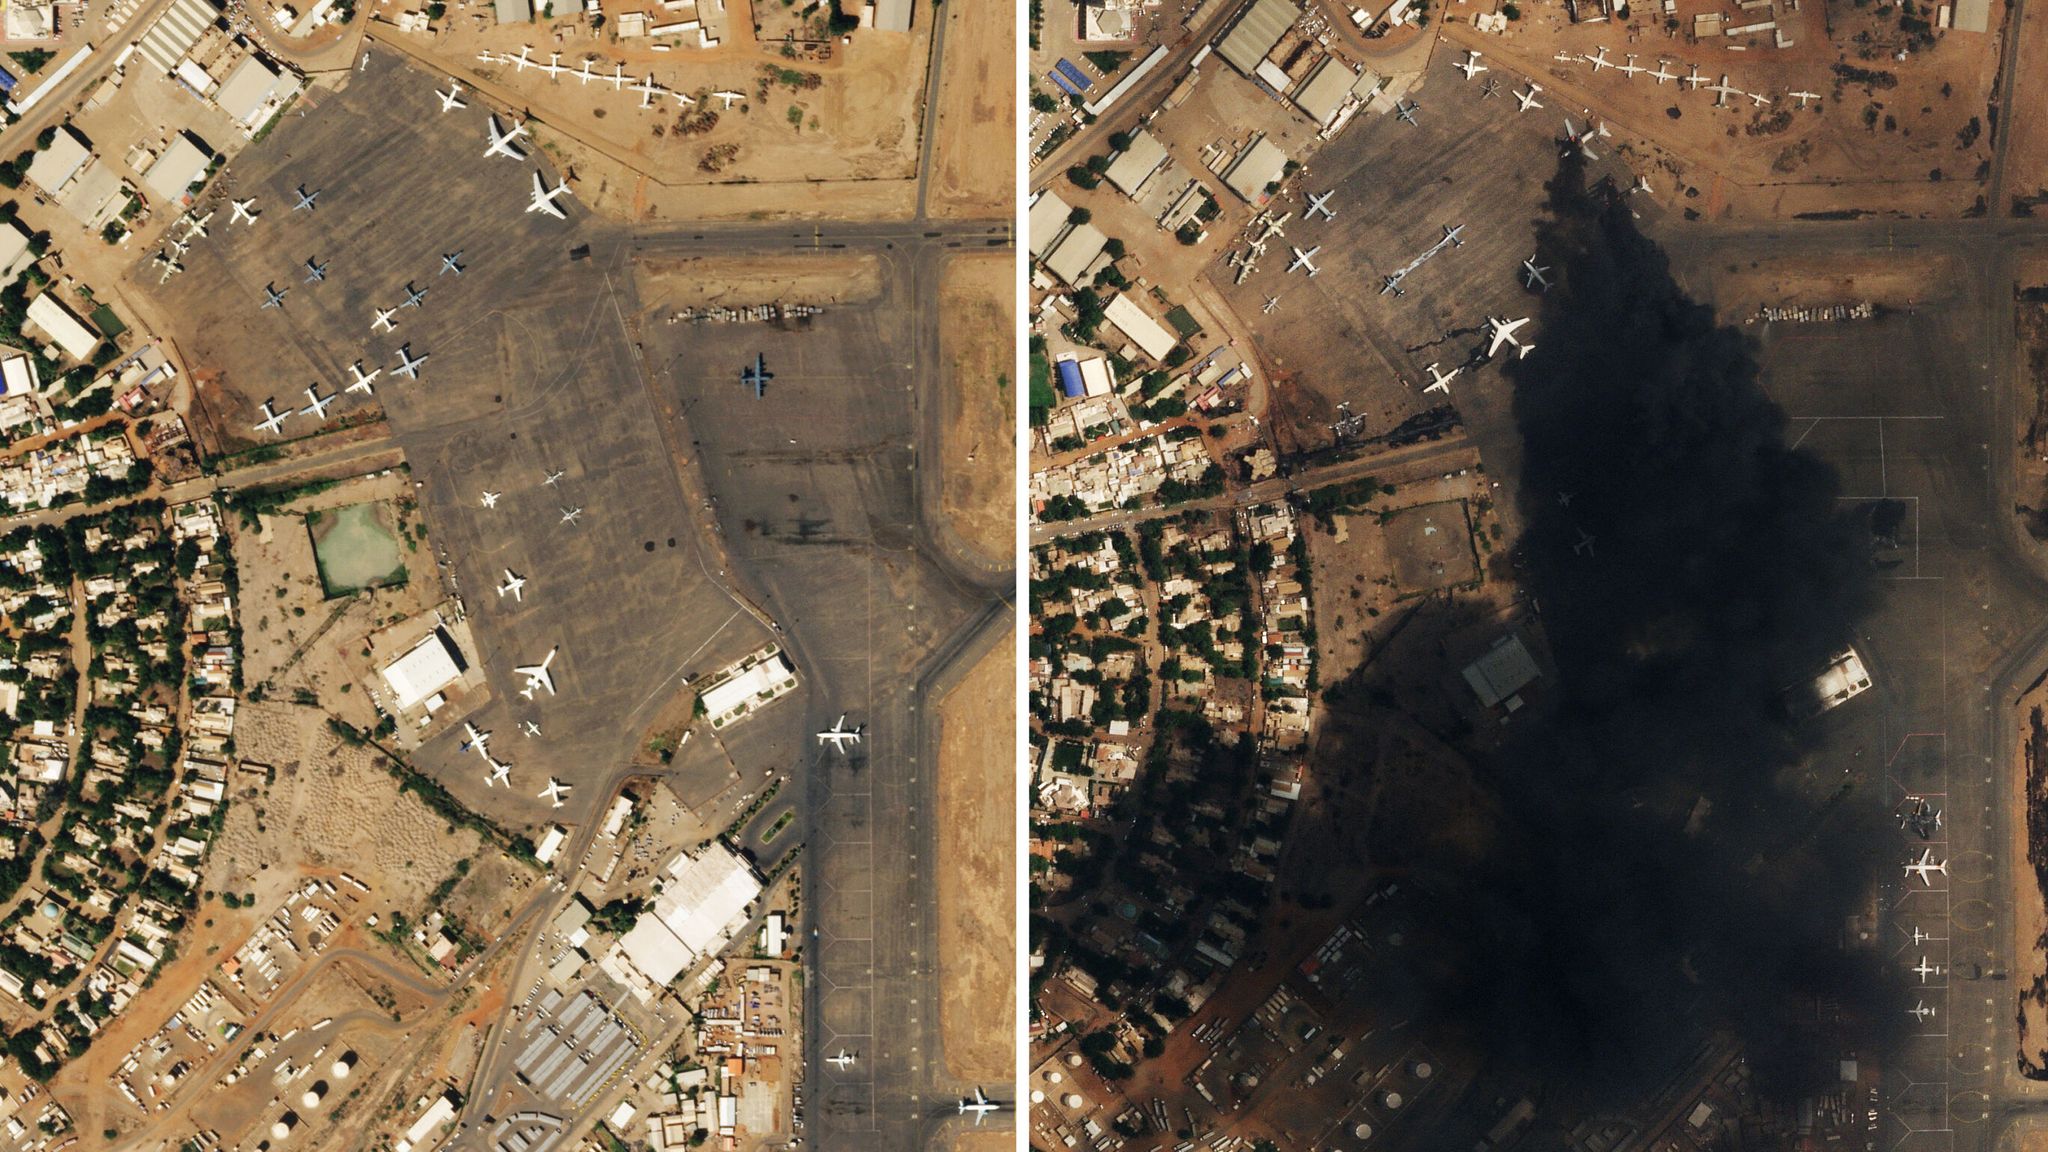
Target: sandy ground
977, 295
978, 871
703, 281
2026, 149
1894, 278
974, 155
2030, 919
990, 1140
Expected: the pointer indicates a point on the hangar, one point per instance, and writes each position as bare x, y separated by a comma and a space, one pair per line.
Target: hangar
182, 165
1256, 33
429, 666
1497, 677
53, 167
62, 326
701, 902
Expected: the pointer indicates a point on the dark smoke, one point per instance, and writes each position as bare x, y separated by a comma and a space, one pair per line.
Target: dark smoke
1603, 940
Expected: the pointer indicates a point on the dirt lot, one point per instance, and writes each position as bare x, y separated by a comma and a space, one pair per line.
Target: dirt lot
992, 1140
704, 281
978, 870
974, 155
977, 295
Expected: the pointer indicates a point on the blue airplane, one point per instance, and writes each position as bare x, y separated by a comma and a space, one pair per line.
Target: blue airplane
757, 375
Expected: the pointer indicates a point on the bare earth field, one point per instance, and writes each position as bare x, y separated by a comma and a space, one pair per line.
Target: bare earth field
2026, 148
977, 295
978, 870
704, 281
974, 154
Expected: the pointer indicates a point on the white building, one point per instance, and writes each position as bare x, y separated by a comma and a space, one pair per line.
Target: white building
702, 901
430, 666
62, 326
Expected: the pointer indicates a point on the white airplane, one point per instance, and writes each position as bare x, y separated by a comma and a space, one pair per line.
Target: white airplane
618, 77
501, 139
1693, 78
500, 774
843, 1061
585, 75
552, 477
383, 322
315, 271
1564, 499
537, 675
979, 1105
479, 740
1407, 112
452, 98
245, 211
1925, 867
516, 585
1585, 545
490, 498
408, 364
730, 98
544, 198
360, 380
1532, 275
1528, 98
1440, 381
1272, 302
554, 65
1757, 99
1919, 936
1451, 234
1662, 74
1598, 60
171, 268
306, 199
1504, 333
648, 90
1306, 260
1471, 67
413, 296
1922, 1011
1722, 91
1583, 141
530, 728
1642, 184
1320, 204
1925, 969
195, 226
273, 296
520, 61
273, 420
1803, 97
554, 792
318, 408
839, 735
1631, 67
569, 515
683, 101
450, 262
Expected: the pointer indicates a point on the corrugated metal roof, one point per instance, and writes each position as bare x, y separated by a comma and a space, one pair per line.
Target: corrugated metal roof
1256, 33
176, 31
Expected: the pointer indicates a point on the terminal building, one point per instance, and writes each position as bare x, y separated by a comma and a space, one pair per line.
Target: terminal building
703, 900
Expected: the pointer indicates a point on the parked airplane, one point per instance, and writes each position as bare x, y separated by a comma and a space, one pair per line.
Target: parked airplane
544, 197
408, 364
1306, 260
570, 515
757, 375
1320, 204
245, 211
552, 477
413, 296
273, 296
452, 98
843, 1061
1583, 141
648, 90
554, 792
1564, 499
1919, 936
479, 740
360, 381
273, 420
451, 262
516, 585
1528, 98
1440, 381
554, 65
1925, 969
501, 139
1585, 545
1532, 275
317, 409
1803, 97
537, 675
1662, 74
1599, 59
1925, 867
500, 774
730, 98
1642, 184
520, 61
1452, 234
1471, 67
1631, 67
383, 322
1921, 1010
1504, 333
306, 199
618, 77
490, 498
979, 1105
171, 267
1693, 78
1489, 88
1407, 112
530, 728
1722, 91
585, 76
315, 271
1272, 302
839, 735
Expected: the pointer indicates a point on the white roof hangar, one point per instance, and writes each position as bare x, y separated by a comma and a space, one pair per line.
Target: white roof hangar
62, 326
53, 167
183, 164
426, 668
702, 901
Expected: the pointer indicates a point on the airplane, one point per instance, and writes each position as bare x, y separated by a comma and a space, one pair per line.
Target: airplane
1471, 66
450, 262
1693, 78
569, 515
980, 1105
586, 76
1272, 302
1642, 184
554, 65
552, 477
530, 728
1921, 1010
1583, 141
1722, 91
1504, 333
618, 77
413, 296
554, 792
516, 585
843, 1061
683, 101
757, 375
273, 297
481, 741
1757, 99
195, 227
1532, 275
730, 98
1564, 499
383, 320
360, 381
1631, 68
1451, 234
537, 675
306, 199
648, 90
452, 98
1528, 98
245, 211
1585, 545
318, 408
171, 267
520, 61
1407, 113
1392, 283
1925, 867
1440, 381
408, 364
1925, 969
1489, 88
501, 139
1803, 97
490, 498
1598, 60
544, 199
839, 735
500, 774
1320, 204
1306, 260
315, 271
272, 419
1662, 74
